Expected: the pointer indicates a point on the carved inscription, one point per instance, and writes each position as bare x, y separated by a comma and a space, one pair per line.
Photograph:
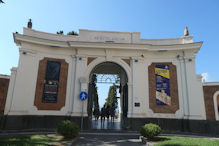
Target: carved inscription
106, 38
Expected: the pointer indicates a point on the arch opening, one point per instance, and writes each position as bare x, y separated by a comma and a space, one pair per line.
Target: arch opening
112, 78
216, 105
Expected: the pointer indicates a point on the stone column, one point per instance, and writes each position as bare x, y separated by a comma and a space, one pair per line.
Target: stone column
10, 91
81, 65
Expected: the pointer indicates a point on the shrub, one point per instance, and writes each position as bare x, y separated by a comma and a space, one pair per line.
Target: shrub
150, 130
68, 129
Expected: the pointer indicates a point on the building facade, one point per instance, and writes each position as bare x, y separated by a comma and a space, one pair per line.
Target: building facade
158, 79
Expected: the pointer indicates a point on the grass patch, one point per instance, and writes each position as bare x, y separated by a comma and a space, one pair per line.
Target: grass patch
33, 140
187, 141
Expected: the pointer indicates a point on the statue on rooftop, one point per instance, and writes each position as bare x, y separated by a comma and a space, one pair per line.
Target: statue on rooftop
186, 31
29, 24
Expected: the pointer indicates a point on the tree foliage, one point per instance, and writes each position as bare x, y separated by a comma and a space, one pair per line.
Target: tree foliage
95, 94
61, 32
72, 33
112, 98
69, 33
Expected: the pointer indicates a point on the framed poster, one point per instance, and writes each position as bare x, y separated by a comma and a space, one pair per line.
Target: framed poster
162, 75
50, 91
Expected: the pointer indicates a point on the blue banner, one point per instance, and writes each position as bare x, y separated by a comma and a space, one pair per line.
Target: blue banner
162, 75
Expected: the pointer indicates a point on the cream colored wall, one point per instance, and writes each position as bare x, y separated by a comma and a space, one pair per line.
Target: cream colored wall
141, 85
10, 93
21, 94
24, 91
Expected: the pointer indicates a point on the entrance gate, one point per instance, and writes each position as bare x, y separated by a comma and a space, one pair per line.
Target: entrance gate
114, 74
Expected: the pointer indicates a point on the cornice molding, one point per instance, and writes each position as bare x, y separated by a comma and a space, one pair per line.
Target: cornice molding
18, 38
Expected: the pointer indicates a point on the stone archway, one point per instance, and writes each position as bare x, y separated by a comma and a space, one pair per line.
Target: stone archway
216, 105
100, 60
109, 67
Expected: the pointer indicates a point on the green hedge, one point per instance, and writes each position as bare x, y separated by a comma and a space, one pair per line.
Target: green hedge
68, 129
150, 130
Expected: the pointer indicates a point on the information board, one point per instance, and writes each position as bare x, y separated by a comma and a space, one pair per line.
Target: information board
50, 93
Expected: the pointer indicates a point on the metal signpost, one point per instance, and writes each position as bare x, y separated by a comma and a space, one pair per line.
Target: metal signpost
83, 96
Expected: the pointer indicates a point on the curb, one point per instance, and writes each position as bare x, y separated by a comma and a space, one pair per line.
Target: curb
24, 133
110, 133
144, 141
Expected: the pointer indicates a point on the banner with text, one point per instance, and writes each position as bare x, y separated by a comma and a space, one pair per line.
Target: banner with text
162, 74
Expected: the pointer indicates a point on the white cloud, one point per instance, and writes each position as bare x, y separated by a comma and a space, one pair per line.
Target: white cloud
205, 77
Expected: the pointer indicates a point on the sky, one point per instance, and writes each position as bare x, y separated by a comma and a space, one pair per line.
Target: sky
153, 18
102, 90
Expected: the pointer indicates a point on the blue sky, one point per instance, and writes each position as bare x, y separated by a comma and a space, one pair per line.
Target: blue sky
102, 90
153, 18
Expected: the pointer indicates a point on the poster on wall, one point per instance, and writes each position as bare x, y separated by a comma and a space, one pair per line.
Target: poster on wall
162, 75
50, 91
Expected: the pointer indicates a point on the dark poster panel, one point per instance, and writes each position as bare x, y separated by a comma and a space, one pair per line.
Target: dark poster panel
53, 70
50, 92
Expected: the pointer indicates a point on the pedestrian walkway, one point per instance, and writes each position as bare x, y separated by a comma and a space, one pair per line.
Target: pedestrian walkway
102, 137
106, 124
108, 139
121, 138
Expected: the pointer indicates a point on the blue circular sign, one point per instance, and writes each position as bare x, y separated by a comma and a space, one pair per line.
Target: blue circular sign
83, 95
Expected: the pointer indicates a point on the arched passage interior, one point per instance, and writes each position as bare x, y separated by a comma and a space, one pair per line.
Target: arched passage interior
109, 68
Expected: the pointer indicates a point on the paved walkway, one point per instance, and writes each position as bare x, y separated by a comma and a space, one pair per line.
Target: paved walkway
106, 124
108, 139
120, 138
